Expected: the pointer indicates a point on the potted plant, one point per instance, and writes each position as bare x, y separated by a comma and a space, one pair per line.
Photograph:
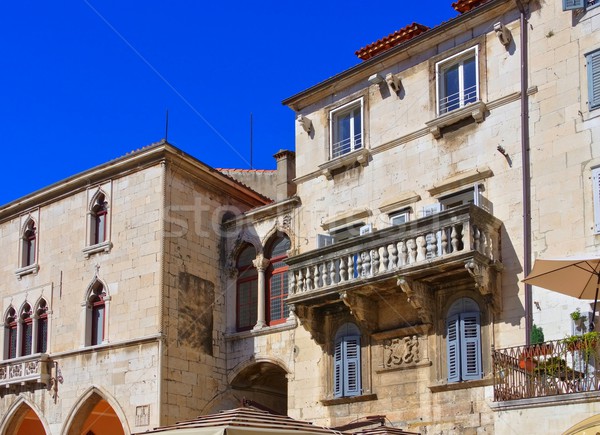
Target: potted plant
586, 343
578, 319
537, 346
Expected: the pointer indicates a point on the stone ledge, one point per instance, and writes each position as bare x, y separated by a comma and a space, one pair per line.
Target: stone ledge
475, 110
99, 247
31, 269
344, 400
347, 161
445, 386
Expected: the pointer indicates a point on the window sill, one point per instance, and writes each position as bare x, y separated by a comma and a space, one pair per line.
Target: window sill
33, 268
475, 110
344, 400
289, 324
347, 161
446, 386
99, 247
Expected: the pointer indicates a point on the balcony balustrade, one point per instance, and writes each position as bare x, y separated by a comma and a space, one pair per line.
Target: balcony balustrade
27, 369
546, 369
419, 248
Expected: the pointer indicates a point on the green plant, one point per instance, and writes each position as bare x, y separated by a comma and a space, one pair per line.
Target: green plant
537, 334
586, 343
577, 316
553, 366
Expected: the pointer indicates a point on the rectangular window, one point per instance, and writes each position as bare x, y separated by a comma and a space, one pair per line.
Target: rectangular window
27, 331
247, 303
596, 198
593, 74
346, 370
400, 217
457, 81
12, 341
97, 324
569, 5
42, 335
346, 128
463, 347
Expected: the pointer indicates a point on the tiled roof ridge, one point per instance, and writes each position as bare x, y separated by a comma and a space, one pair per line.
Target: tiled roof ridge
464, 6
391, 40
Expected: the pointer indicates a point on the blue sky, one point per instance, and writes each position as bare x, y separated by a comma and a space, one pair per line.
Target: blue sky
86, 81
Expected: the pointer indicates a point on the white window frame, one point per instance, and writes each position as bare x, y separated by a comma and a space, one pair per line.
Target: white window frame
400, 217
355, 142
443, 65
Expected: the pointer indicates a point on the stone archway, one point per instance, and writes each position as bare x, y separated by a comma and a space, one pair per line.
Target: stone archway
264, 383
95, 416
25, 421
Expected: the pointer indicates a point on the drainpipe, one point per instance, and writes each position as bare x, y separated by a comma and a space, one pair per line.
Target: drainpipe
525, 165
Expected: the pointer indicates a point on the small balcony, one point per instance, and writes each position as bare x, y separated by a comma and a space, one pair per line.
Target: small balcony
26, 369
552, 368
457, 247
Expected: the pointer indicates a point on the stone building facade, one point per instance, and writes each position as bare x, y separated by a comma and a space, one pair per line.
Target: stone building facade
383, 278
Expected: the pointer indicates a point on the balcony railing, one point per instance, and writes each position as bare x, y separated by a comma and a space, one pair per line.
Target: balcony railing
31, 368
546, 369
457, 234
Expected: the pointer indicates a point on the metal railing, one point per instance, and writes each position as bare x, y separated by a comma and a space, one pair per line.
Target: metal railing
546, 369
458, 99
346, 145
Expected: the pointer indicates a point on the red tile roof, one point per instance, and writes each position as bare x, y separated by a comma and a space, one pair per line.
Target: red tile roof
463, 6
391, 40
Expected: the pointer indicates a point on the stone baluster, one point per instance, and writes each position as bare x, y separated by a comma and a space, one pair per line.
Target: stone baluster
444, 241
318, 281
292, 278
412, 250
393, 256
343, 269
476, 241
385, 260
421, 249
403, 258
301, 285
333, 271
357, 266
309, 279
454, 239
375, 261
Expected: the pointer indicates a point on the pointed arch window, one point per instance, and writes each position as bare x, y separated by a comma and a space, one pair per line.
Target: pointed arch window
29, 244
41, 327
463, 341
96, 315
247, 289
278, 281
99, 215
26, 320
10, 334
347, 362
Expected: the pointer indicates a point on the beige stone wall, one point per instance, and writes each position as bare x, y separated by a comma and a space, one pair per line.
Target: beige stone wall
124, 368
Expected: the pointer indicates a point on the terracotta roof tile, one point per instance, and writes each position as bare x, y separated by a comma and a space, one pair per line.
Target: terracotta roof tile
391, 40
463, 6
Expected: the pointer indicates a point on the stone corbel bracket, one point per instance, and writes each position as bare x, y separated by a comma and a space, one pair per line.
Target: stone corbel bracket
420, 298
363, 309
487, 281
309, 319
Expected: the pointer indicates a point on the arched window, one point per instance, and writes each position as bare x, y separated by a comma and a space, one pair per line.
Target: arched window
26, 321
96, 311
278, 281
10, 334
347, 362
29, 244
99, 215
247, 289
463, 341
41, 332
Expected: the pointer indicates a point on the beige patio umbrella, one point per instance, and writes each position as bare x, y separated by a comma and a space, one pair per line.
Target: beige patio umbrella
574, 276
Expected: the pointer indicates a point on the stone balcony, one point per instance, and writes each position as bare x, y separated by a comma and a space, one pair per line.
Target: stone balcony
402, 265
26, 369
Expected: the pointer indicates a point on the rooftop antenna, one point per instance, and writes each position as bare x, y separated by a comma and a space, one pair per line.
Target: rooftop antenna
251, 139
167, 126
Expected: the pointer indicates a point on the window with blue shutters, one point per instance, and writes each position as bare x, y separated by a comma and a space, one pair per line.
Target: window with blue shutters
346, 362
463, 341
593, 75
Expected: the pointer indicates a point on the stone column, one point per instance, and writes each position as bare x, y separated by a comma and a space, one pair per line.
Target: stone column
261, 263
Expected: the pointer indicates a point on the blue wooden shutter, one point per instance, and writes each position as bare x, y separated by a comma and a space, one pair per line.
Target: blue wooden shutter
352, 366
453, 348
470, 346
569, 5
593, 74
338, 372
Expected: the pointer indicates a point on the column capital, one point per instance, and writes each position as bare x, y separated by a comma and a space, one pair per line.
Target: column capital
260, 262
